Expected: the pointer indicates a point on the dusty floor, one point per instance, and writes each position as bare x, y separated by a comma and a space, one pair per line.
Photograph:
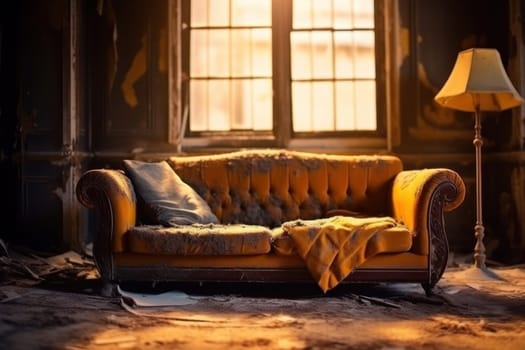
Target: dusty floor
465, 313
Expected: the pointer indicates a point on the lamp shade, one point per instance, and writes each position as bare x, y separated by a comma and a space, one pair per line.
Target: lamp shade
478, 81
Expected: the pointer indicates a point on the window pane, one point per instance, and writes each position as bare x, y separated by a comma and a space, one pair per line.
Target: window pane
322, 14
312, 105
251, 52
219, 11
219, 102
366, 106
345, 103
252, 104
302, 106
261, 46
199, 105
199, 53
363, 13
238, 55
241, 53
355, 105
332, 57
210, 105
343, 14
301, 55
336, 67
302, 14
242, 104
344, 54
262, 104
365, 64
219, 53
199, 13
322, 54
251, 12
323, 106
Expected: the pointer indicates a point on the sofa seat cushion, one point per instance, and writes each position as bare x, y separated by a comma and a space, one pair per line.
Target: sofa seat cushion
199, 239
333, 247
395, 239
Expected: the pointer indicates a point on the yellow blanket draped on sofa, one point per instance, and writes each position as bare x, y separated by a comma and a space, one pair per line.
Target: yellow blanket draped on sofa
333, 247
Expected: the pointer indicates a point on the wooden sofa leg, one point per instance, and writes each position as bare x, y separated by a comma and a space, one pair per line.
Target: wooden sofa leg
428, 287
108, 288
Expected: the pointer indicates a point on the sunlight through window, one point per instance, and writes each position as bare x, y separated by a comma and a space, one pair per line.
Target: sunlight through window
331, 55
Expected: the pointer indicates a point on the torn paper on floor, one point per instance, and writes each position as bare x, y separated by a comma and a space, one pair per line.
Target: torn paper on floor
171, 298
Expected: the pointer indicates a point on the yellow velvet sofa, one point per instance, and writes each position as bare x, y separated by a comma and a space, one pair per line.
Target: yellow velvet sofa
271, 216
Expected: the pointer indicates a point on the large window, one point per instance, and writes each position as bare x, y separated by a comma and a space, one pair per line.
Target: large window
230, 65
333, 65
282, 70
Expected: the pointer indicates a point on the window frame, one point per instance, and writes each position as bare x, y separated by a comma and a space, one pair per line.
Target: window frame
282, 134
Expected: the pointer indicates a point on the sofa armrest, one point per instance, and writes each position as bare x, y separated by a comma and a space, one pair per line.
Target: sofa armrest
111, 195
419, 200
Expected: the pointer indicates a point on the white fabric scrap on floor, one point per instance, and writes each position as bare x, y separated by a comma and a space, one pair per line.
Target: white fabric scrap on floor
171, 298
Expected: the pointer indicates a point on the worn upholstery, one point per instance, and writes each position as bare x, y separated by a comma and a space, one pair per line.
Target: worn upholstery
269, 187
110, 193
394, 239
333, 247
412, 190
199, 239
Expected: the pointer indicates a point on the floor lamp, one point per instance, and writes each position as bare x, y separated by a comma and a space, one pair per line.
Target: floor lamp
478, 83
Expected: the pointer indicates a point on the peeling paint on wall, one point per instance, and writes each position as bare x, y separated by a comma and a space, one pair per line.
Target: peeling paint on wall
134, 73
432, 121
139, 66
404, 44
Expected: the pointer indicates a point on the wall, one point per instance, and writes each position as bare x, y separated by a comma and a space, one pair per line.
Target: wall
433, 33
75, 96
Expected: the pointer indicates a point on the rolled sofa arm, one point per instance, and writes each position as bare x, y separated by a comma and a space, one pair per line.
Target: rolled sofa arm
419, 200
110, 193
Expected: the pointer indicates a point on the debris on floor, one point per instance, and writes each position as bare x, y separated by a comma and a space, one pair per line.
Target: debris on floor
24, 267
46, 303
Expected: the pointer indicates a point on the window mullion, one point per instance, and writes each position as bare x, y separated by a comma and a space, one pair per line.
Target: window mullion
281, 29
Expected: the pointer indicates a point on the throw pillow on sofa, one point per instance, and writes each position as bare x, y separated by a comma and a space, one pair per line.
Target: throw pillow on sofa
168, 200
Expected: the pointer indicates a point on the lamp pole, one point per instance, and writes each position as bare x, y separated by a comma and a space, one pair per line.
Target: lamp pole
477, 73
479, 249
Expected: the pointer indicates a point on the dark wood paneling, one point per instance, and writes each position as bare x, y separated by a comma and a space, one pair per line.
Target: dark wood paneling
504, 206
40, 30
8, 119
131, 88
40, 38
39, 212
432, 34
34, 44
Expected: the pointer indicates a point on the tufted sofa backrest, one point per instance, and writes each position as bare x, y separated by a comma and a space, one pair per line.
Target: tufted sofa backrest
269, 187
